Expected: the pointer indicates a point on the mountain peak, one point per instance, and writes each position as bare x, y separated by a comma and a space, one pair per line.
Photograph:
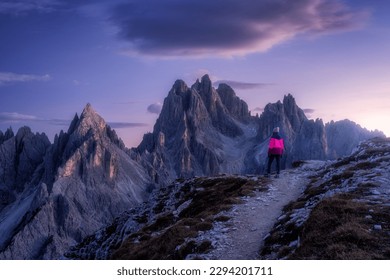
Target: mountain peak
7, 135
88, 110
205, 78
89, 119
206, 83
179, 87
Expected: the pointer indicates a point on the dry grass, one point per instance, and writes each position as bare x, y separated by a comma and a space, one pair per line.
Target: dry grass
365, 165
172, 237
344, 226
338, 229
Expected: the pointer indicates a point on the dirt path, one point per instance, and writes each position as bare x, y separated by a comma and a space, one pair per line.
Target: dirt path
242, 236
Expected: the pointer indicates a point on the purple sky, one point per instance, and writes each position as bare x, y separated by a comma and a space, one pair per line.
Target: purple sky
123, 56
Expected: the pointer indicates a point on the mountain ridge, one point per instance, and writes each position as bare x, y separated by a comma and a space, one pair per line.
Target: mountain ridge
338, 210
83, 181
200, 126
53, 195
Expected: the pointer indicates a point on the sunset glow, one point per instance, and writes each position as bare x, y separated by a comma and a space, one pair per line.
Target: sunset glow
123, 56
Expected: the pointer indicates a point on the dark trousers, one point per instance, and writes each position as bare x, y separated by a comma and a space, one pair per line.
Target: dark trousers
270, 160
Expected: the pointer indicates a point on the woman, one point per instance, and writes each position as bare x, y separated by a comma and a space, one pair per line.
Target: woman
275, 151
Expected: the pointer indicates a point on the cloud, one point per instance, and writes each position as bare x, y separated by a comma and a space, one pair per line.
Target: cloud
16, 117
155, 108
24, 6
308, 111
8, 78
173, 28
117, 125
58, 122
7, 117
242, 85
87, 8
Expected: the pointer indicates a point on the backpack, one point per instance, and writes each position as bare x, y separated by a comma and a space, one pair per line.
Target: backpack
276, 146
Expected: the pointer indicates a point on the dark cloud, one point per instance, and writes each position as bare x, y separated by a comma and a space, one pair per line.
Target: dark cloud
308, 111
24, 6
117, 125
242, 85
155, 108
226, 27
86, 7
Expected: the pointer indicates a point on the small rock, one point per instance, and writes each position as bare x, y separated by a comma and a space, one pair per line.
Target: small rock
377, 227
368, 217
268, 235
282, 217
253, 229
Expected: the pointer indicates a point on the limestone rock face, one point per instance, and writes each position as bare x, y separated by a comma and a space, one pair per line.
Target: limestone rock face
86, 179
235, 106
52, 196
206, 131
20, 156
198, 132
344, 136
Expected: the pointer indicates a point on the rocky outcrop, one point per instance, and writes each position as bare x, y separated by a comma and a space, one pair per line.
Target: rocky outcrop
168, 226
54, 195
197, 218
206, 131
197, 133
344, 136
307, 139
86, 180
20, 156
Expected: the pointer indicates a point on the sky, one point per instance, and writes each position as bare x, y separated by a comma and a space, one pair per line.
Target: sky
123, 56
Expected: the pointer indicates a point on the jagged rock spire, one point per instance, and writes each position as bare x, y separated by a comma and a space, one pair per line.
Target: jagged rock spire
89, 121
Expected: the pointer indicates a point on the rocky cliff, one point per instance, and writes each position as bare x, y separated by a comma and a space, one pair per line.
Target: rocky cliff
64, 191
340, 211
200, 131
206, 131
54, 195
20, 156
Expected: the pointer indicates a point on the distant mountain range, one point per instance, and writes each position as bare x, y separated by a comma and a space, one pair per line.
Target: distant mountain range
203, 131
53, 195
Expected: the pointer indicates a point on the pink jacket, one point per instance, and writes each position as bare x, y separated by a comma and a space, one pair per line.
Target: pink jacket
276, 146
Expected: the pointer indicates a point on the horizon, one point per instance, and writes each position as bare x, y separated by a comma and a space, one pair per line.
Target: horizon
123, 57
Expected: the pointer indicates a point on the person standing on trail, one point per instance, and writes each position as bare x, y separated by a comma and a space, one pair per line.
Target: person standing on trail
275, 151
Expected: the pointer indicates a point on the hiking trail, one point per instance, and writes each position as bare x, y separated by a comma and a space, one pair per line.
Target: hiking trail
242, 236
